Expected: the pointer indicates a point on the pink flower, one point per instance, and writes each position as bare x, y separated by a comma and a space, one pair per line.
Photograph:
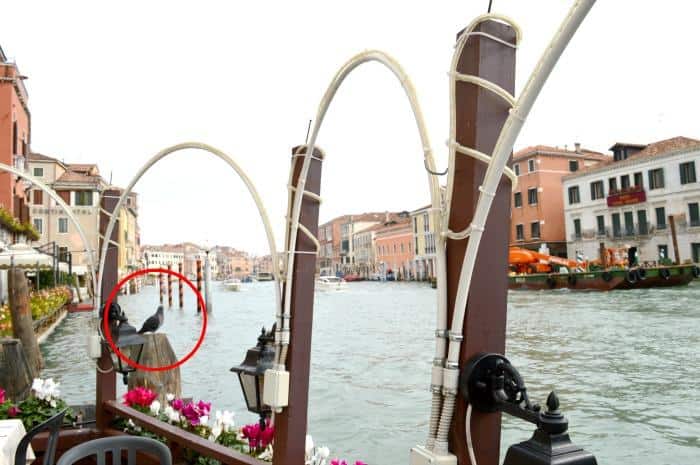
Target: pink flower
177, 404
359, 462
2, 396
13, 411
204, 408
140, 397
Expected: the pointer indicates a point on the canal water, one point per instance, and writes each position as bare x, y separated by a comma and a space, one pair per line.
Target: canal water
625, 364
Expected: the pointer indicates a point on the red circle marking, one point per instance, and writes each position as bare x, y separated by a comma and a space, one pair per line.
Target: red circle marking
108, 334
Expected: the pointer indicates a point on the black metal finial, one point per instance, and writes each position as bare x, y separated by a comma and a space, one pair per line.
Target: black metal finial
552, 403
490, 4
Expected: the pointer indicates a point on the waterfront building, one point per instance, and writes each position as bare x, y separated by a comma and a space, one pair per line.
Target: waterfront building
160, 256
537, 211
394, 248
80, 186
262, 264
336, 254
423, 243
129, 258
15, 137
631, 200
233, 263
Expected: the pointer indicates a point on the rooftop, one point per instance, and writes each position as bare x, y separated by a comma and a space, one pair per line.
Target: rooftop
655, 149
556, 151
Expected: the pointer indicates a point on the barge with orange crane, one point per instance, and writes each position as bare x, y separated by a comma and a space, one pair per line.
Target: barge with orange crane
530, 270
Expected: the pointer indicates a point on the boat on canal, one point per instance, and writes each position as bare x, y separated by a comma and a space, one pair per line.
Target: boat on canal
531, 270
331, 283
233, 284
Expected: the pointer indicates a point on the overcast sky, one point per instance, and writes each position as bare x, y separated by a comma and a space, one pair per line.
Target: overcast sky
113, 85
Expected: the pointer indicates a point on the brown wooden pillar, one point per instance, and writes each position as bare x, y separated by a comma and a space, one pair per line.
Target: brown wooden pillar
106, 388
290, 425
674, 239
480, 117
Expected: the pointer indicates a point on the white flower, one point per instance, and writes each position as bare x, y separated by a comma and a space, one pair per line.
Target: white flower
227, 420
172, 414
323, 452
169, 397
155, 408
203, 420
216, 431
266, 454
52, 403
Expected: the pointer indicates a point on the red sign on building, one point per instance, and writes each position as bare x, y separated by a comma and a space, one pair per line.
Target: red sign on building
627, 197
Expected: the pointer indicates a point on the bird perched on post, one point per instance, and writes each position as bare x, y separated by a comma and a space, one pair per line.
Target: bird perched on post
153, 322
115, 318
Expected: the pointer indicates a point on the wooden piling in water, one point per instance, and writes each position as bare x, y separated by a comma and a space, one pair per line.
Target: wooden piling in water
199, 283
160, 287
21, 315
15, 373
479, 119
291, 424
181, 301
170, 287
158, 352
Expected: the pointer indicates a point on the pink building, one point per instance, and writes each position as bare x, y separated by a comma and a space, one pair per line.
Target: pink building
537, 205
394, 248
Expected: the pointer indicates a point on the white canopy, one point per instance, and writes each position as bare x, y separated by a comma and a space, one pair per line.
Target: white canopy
24, 256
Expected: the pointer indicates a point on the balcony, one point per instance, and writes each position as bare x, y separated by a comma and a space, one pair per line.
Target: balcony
627, 196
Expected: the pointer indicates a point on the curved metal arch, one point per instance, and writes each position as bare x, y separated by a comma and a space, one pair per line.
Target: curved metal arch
407, 85
59, 201
214, 151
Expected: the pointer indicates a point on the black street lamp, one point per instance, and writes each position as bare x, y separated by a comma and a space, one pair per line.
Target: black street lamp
489, 383
126, 338
251, 374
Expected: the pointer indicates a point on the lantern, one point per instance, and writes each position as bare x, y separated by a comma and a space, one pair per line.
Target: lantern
251, 374
130, 344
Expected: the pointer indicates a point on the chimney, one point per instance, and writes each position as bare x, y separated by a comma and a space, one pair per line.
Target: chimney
578, 147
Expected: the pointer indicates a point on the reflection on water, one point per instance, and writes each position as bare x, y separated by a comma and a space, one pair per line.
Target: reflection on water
625, 364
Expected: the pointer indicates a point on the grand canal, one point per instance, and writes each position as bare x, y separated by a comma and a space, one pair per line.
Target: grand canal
625, 364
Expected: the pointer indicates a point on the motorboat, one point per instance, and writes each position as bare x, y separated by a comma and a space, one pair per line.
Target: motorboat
233, 284
331, 283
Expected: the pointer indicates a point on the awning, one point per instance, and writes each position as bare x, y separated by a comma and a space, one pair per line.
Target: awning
24, 256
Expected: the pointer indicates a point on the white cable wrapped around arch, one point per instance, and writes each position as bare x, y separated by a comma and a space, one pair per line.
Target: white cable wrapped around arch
435, 199
238, 170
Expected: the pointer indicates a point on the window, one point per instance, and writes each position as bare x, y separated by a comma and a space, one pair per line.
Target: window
642, 224
656, 178
535, 230
688, 172
63, 225
426, 222
532, 196
625, 181
600, 220
638, 180
660, 218
38, 172
38, 225
617, 228
531, 165
573, 165
597, 191
518, 199
38, 197
415, 224
629, 224
612, 185
577, 228
694, 214
519, 232
663, 251
516, 169
574, 196
695, 251
83, 198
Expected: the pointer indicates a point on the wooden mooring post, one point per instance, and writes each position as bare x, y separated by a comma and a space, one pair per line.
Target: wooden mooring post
160, 287
106, 385
199, 283
21, 316
480, 117
290, 425
170, 287
180, 294
158, 352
